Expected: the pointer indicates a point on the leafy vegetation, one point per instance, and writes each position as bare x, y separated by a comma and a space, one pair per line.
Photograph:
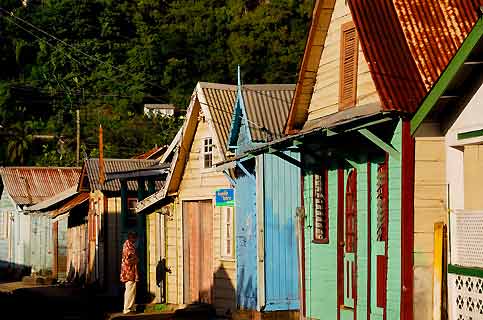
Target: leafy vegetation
109, 57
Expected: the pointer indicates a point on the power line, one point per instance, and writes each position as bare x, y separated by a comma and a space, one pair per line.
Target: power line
73, 48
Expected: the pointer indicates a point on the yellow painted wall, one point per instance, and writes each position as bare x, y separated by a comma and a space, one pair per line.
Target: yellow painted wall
473, 176
199, 184
429, 208
325, 99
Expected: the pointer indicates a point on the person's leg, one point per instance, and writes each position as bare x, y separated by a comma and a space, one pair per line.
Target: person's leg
129, 296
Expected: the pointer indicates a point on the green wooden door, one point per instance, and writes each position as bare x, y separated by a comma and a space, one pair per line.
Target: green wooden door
350, 241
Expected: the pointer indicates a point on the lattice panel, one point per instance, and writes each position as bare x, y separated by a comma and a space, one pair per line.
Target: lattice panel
465, 297
467, 238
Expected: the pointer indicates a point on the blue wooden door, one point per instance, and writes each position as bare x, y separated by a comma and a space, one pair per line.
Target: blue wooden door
281, 199
246, 242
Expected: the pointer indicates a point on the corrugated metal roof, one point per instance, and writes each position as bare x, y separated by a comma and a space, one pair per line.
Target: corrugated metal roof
155, 153
267, 107
117, 165
55, 200
72, 203
408, 44
30, 185
220, 100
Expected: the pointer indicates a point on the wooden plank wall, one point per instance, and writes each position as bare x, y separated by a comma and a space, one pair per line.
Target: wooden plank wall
429, 208
113, 245
199, 184
325, 99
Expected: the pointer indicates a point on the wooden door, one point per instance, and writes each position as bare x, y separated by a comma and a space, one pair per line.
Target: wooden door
198, 250
350, 240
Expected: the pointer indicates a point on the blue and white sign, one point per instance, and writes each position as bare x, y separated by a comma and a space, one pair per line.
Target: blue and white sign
225, 198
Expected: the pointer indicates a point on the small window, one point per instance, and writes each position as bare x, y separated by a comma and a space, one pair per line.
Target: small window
382, 201
348, 66
207, 153
321, 208
4, 216
131, 211
227, 239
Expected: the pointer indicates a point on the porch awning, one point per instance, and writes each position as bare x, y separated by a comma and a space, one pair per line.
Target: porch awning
71, 204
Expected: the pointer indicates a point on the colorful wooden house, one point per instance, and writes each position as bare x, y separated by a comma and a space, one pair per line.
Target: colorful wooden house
448, 131
363, 76
111, 215
196, 237
267, 194
26, 237
59, 229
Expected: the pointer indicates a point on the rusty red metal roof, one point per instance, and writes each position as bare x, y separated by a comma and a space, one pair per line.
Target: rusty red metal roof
30, 185
408, 44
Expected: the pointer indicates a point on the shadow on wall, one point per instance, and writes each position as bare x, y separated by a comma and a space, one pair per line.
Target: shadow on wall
246, 295
223, 300
12, 271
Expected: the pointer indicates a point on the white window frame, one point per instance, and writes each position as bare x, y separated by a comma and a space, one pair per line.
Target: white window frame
227, 233
206, 150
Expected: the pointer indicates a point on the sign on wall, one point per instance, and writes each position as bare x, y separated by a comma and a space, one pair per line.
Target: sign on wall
225, 198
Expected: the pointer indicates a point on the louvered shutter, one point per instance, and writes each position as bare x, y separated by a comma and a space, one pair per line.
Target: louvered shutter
348, 66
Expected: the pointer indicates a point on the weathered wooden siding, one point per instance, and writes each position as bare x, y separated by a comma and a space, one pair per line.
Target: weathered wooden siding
429, 208
282, 197
112, 245
321, 259
246, 242
198, 184
77, 245
325, 99
6, 207
41, 242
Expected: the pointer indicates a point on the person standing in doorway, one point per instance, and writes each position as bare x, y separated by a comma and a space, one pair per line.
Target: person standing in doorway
129, 271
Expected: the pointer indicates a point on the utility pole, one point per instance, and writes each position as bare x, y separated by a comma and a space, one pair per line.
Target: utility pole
78, 136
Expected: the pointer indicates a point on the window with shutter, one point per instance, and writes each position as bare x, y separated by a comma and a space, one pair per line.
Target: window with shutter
227, 239
348, 66
382, 201
320, 209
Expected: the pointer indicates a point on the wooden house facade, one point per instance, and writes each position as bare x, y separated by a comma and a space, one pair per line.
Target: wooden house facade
111, 216
448, 205
26, 236
195, 236
366, 251
267, 194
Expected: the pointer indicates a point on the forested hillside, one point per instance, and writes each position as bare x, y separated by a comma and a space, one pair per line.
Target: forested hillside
109, 57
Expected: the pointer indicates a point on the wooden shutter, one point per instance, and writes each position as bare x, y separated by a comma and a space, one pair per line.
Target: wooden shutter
348, 66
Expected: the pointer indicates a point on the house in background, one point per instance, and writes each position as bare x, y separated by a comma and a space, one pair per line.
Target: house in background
267, 194
159, 110
197, 236
26, 237
111, 215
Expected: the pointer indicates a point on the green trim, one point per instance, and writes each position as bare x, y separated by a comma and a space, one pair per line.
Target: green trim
465, 271
380, 143
448, 74
352, 163
470, 134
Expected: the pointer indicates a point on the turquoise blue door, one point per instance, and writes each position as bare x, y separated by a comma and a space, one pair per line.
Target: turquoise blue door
281, 199
246, 242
